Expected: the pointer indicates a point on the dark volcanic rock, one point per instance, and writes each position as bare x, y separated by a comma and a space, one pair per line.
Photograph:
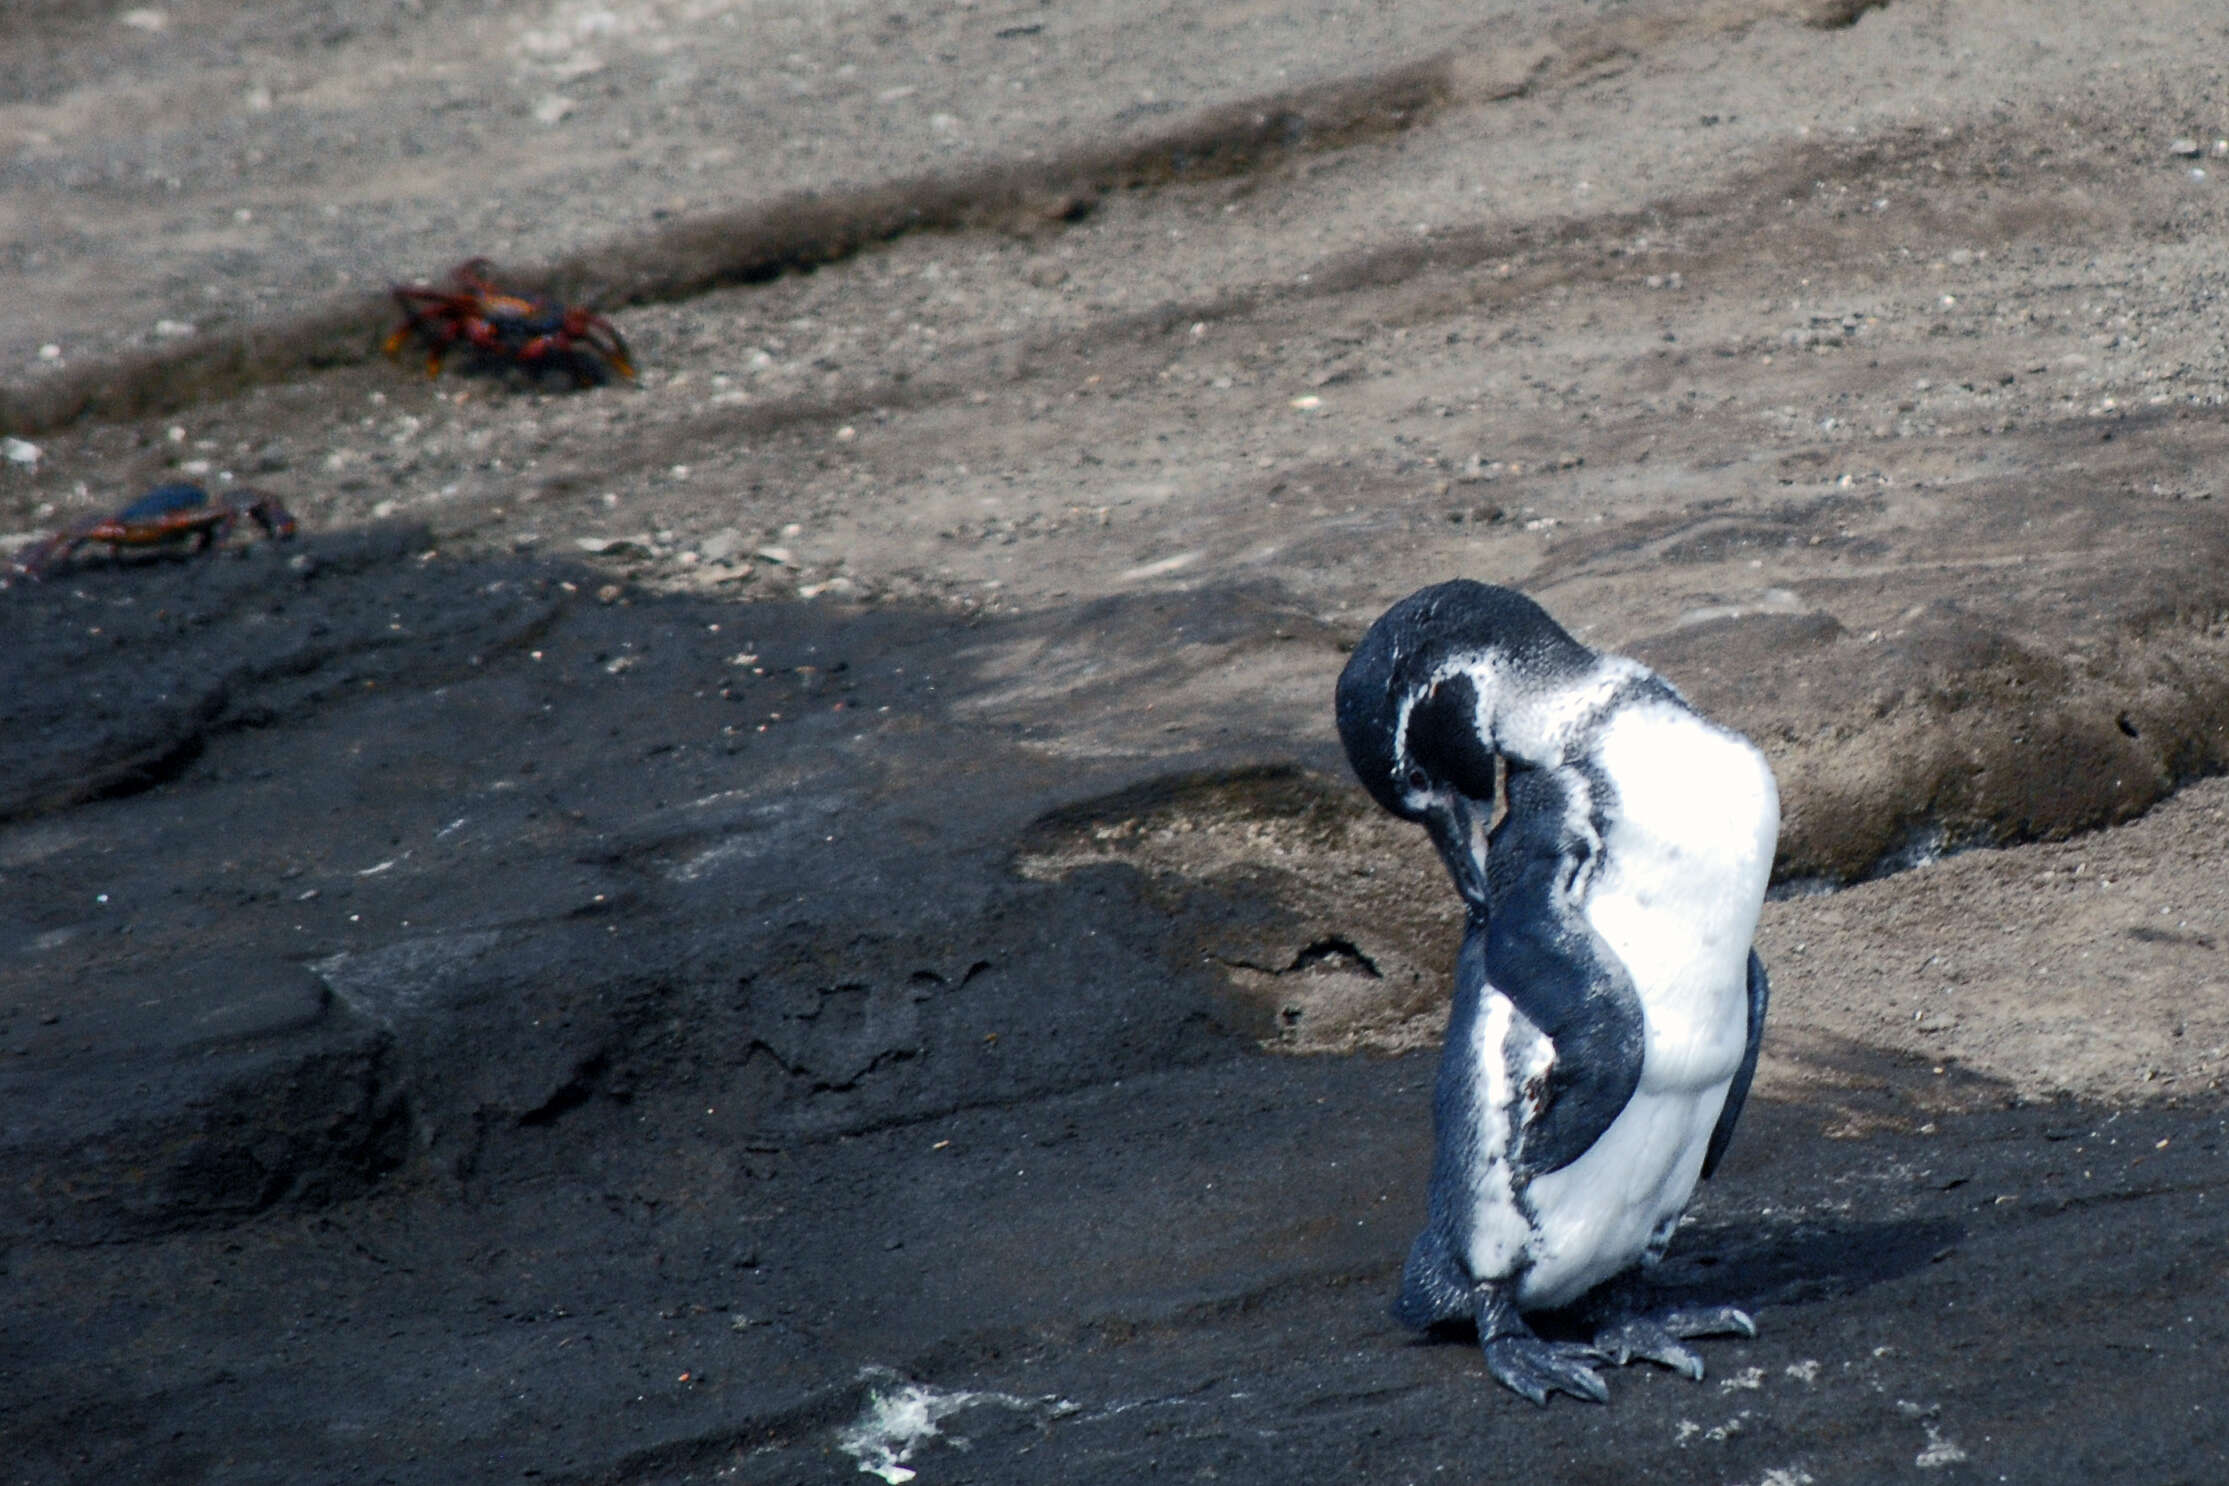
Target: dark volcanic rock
531, 1067
115, 677
413, 884
167, 1093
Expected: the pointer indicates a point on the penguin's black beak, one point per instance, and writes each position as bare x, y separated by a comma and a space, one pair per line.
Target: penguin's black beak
1458, 828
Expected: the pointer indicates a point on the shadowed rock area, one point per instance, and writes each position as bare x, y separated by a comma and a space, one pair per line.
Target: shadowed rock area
805, 915
643, 1100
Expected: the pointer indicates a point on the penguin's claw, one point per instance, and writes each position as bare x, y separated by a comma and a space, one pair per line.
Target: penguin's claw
1649, 1341
1533, 1368
1659, 1339
1708, 1320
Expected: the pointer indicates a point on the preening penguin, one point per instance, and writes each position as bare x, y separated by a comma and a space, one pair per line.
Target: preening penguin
1607, 1002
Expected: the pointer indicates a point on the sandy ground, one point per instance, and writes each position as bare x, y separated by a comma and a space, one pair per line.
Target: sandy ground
1860, 367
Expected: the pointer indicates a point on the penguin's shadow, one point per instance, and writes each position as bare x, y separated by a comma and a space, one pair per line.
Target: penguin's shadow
1799, 1262
1756, 1267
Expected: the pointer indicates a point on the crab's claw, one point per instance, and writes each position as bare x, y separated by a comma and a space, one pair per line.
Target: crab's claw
276, 520
605, 337
473, 276
32, 562
587, 328
36, 560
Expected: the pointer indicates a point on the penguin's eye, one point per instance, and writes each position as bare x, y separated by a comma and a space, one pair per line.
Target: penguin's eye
1418, 781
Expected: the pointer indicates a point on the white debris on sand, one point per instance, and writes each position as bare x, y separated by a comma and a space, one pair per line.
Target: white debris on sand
1939, 1452
901, 1416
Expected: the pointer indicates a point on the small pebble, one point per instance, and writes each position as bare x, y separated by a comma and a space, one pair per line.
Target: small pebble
637, 545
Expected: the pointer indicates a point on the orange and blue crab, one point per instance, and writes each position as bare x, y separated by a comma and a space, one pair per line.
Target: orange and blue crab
503, 329
166, 516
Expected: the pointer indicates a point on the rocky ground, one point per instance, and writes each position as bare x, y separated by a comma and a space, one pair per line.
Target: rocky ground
746, 925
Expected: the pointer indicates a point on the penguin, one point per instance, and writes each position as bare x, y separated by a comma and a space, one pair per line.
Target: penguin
1608, 1001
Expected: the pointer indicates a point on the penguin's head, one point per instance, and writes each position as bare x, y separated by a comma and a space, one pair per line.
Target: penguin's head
1422, 701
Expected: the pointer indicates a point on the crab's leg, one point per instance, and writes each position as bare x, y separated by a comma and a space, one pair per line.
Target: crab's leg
213, 532
483, 334
543, 345
34, 561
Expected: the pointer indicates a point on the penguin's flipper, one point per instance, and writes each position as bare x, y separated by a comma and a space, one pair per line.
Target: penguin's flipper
1722, 1135
1542, 954
1528, 1366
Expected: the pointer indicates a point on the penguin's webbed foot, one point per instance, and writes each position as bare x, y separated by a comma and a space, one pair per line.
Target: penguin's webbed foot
1525, 1364
1661, 1338
1534, 1368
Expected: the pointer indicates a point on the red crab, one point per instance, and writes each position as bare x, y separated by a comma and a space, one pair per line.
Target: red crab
500, 329
165, 515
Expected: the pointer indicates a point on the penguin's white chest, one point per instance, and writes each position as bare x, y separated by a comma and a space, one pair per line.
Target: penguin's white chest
1675, 894
1685, 856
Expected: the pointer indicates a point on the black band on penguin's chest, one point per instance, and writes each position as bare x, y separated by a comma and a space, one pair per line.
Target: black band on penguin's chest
1545, 957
